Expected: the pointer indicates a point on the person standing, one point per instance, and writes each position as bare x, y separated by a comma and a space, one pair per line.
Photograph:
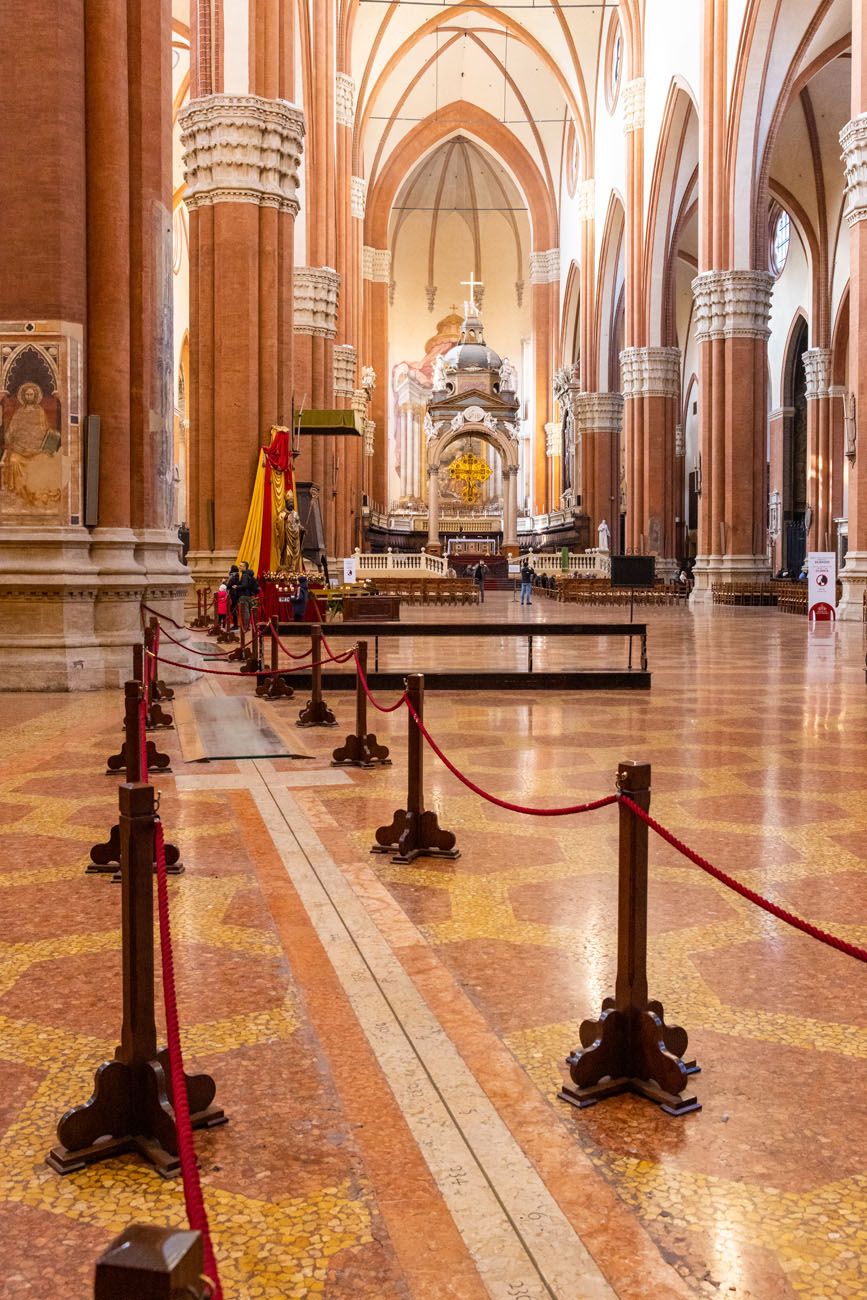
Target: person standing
233, 586
528, 575
248, 590
479, 574
223, 606
299, 599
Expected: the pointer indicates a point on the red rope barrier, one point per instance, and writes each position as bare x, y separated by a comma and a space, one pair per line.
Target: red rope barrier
383, 708
503, 803
304, 653
204, 654
226, 672
842, 945
193, 1198
143, 740
165, 618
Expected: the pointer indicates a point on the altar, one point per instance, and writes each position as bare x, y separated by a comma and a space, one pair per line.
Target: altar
476, 545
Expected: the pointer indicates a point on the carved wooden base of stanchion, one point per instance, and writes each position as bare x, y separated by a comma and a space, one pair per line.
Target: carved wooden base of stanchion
159, 1263
157, 720
129, 1101
415, 835
162, 692
105, 858
361, 751
274, 688
631, 1051
115, 764
316, 713
226, 637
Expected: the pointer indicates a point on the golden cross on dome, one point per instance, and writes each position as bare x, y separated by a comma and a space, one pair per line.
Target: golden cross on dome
472, 284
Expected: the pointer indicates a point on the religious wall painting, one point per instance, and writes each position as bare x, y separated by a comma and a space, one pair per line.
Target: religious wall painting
162, 392
35, 461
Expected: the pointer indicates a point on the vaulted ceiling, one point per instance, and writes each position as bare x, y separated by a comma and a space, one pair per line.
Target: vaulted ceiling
528, 68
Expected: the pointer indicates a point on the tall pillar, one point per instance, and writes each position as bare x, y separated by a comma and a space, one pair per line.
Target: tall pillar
554, 455
651, 394
853, 138
817, 368
433, 509
732, 309
599, 418
544, 287
376, 267
85, 329
241, 157
510, 500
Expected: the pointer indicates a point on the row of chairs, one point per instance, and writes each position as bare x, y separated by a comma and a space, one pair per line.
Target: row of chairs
744, 593
598, 591
429, 591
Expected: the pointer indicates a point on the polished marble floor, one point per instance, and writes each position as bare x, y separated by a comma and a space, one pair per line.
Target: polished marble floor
388, 1040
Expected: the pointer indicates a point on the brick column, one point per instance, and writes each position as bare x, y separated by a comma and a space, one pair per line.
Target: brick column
85, 329
544, 288
651, 395
241, 155
853, 138
376, 269
732, 309
599, 418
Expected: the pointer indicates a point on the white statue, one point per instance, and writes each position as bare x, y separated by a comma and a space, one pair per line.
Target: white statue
604, 537
368, 379
439, 374
508, 377
429, 427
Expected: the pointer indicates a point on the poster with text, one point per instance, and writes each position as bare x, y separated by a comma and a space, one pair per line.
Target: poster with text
822, 586
349, 570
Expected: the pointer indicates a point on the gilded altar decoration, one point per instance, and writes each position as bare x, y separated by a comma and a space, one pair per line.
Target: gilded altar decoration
469, 472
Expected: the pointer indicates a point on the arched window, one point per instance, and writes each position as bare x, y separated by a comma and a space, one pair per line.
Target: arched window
780, 233
613, 64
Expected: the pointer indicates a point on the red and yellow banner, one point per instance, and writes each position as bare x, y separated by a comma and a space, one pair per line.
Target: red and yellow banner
275, 476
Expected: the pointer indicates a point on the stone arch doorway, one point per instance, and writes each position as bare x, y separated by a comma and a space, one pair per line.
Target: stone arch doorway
475, 425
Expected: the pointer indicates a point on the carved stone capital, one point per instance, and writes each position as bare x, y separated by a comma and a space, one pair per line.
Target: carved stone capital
344, 99
732, 304
345, 363
817, 368
317, 290
545, 266
598, 412
376, 264
585, 200
241, 149
650, 372
853, 139
358, 196
632, 98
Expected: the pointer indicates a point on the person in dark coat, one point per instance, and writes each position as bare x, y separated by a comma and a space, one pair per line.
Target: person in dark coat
299, 599
479, 574
233, 583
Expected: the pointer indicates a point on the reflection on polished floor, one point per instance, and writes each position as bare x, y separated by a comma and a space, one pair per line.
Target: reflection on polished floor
388, 1040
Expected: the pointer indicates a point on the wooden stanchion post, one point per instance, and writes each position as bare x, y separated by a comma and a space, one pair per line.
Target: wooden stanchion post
630, 1048
414, 833
253, 662
105, 858
150, 1263
156, 719
214, 629
131, 1107
361, 749
125, 761
316, 712
274, 687
158, 687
